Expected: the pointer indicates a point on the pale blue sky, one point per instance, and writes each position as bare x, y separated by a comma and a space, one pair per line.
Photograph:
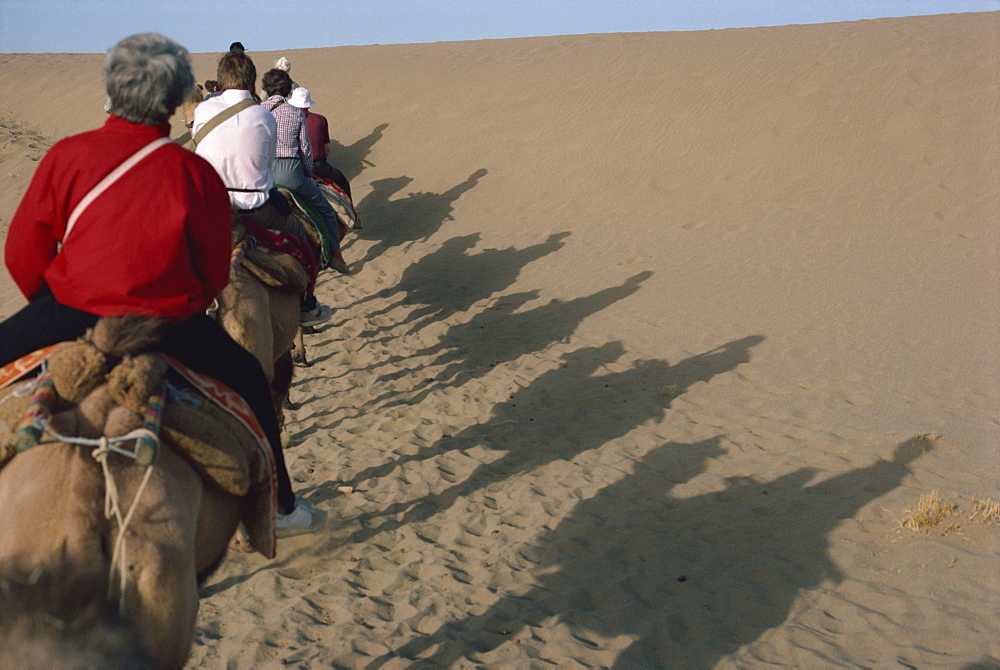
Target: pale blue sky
92, 26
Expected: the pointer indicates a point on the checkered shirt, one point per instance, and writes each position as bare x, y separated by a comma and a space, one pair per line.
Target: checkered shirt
293, 135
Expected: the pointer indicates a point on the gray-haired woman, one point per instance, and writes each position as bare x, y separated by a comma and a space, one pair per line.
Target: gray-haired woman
157, 244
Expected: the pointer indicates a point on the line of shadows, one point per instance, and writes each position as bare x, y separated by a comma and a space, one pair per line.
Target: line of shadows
502, 334
687, 580
563, 413
496, 335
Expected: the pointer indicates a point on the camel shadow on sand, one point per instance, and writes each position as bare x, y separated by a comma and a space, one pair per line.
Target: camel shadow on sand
351, 160
496, 335
451, 279
570, 410
500, 334
393, 221
644, 578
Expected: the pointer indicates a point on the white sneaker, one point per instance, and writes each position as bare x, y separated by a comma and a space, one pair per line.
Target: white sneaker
303, 519
315, 316
299, 500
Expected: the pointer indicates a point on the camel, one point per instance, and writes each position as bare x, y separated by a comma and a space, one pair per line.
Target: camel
260, 306
264, 320
73, 586
245, 307
256, 316
187, 111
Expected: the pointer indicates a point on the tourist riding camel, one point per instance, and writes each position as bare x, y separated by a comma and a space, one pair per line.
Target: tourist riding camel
285, 65
238, 137
319, 137
293, 167
157, 244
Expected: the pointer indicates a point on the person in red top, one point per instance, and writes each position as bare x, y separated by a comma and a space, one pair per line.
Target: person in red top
155, 243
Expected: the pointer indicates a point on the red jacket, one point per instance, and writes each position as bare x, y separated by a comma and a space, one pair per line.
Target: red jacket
157, 242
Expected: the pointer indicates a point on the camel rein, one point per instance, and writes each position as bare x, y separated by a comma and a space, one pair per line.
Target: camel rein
35, 424
235, 259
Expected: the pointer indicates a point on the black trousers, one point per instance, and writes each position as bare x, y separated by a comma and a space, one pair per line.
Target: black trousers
199, 343
274, 213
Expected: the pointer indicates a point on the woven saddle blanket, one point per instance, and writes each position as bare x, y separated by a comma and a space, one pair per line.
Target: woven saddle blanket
340, 201
279, 259
313, 222
214, 430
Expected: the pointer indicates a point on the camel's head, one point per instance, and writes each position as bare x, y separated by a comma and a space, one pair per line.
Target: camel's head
62, 619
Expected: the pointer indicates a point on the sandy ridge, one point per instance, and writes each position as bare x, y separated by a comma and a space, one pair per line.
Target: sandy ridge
641, 367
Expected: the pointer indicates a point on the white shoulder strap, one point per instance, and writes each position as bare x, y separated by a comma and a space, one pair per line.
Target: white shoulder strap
110, 179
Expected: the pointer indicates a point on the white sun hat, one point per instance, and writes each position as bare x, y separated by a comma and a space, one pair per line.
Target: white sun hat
300, 98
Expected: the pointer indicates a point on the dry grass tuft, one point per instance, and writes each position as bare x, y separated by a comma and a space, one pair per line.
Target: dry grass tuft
985, 511
934, 511
931, 510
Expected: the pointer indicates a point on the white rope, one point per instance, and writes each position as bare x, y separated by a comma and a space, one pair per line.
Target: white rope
112, 508
104, 442
112, 503
26, 388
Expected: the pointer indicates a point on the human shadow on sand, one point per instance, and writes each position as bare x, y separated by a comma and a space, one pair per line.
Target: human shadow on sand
561, 414
394, 221
647, 579
452, 279
351, 160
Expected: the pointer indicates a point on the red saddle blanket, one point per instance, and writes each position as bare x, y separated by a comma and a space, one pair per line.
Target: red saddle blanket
290, 244
340, 201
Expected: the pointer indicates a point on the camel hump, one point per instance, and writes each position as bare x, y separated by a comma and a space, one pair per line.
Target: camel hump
119, 336
277, 269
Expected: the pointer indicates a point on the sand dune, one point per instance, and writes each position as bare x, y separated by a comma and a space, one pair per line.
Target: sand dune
654, 341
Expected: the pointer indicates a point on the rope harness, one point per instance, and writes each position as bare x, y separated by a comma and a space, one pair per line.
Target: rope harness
235, 259
144, 452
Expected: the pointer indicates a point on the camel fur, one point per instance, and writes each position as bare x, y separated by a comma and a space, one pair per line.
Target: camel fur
264, 320
52, 501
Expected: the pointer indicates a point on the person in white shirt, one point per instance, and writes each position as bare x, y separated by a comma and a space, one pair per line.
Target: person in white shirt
241, 148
